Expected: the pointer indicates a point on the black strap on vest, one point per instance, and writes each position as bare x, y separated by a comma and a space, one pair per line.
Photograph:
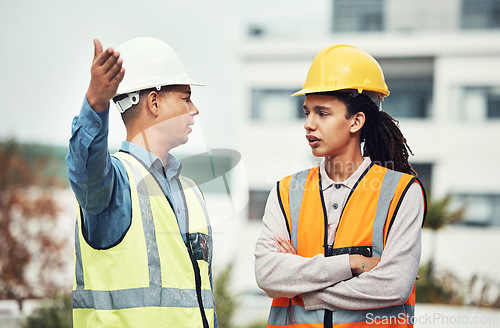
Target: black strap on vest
366, 251
328, 318
283, 210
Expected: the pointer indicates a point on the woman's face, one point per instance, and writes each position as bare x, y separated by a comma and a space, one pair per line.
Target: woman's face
328, 130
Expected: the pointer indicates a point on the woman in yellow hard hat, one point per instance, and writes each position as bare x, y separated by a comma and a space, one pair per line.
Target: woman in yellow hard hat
341, 241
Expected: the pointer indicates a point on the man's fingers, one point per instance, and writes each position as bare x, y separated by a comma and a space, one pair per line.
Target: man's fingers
97, 48
103, 57
110, 62
119, 77
115, 69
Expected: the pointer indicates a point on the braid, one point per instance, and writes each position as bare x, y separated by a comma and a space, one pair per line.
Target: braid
383, 141
389, 148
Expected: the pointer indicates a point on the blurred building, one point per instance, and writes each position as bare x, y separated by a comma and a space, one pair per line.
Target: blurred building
441, 61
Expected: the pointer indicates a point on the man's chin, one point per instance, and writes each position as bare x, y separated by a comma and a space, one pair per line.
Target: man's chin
184, 140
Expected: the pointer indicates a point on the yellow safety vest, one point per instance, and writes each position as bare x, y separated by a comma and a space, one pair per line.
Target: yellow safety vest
364, 224
151, 278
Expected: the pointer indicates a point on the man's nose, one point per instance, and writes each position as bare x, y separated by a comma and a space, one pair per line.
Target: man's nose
309, 124
193, 110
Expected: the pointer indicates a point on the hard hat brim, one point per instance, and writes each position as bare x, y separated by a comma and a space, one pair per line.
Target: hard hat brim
161, 84
383, 92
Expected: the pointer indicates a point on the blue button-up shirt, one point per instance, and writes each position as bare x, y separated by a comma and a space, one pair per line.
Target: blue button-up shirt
100, 181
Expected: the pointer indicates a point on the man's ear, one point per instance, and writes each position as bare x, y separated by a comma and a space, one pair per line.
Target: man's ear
153, 103
358, 120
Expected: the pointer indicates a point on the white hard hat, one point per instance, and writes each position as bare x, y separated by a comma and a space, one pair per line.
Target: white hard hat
148, 63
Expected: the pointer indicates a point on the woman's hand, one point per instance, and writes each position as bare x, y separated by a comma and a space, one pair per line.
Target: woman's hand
284, 246
360, 263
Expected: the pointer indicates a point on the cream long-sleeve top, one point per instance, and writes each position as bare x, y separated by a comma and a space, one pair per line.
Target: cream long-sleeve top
327, 282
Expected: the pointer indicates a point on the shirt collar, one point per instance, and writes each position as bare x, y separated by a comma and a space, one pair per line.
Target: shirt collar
173, 166
349, 182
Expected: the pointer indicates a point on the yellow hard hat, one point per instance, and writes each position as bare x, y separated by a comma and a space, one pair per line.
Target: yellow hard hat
342, 67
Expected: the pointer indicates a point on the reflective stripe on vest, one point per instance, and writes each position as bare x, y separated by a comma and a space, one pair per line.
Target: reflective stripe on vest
297, 314
371, 207
147, 279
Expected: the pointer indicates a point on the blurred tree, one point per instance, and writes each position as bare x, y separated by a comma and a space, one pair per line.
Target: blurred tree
256, 324
225, 300
438, 216
54, 313
429, 289
439, 213
28, 213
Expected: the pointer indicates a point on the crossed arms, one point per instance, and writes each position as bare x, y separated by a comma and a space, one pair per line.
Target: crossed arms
328, 282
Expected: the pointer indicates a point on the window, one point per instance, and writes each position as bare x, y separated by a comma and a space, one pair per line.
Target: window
494, 103
480, 210
409, 98
479, 103
358, 16
410, 81
257, 203
480, 14
424, 172
276, 105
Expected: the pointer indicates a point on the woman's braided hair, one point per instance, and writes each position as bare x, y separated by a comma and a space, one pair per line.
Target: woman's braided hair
382, 139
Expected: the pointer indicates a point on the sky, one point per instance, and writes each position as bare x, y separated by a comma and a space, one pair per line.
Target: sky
47, 51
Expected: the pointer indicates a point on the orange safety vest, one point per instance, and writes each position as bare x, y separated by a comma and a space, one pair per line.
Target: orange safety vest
363, 228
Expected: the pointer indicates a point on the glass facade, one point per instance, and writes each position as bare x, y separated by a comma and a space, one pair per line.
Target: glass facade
276, 105
480, 14
478, 103
358, 16
480, 210
257, 203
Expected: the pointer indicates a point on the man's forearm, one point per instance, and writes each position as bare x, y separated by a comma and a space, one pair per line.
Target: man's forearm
90, 172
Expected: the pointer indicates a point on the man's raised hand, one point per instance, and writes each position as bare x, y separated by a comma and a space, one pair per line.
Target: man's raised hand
106, 73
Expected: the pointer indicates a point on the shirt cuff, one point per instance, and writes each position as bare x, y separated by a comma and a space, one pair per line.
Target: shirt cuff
93, 122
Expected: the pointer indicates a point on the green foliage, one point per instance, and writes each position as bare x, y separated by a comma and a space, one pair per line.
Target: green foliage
442, 286
225, 300
432, 290
55, 313
256, 324
439, 213
429, 288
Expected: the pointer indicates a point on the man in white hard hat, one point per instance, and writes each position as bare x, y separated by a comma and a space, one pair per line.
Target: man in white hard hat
143, 243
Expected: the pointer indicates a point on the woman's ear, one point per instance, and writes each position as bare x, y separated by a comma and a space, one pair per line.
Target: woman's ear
358, 120
152, 103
